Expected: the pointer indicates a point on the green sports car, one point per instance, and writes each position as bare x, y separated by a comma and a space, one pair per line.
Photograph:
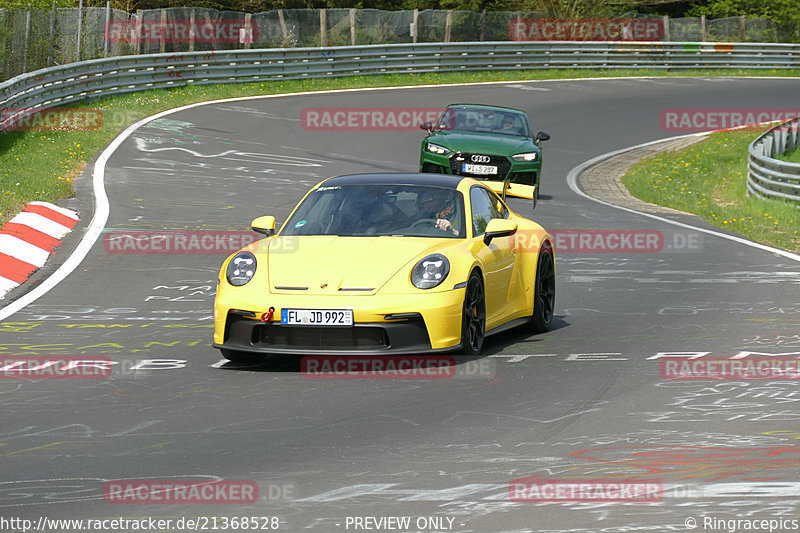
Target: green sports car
486, 143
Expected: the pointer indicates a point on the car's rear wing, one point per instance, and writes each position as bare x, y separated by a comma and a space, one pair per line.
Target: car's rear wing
518, 190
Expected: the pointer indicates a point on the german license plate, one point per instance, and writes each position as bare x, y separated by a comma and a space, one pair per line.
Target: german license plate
479, 169
317, 317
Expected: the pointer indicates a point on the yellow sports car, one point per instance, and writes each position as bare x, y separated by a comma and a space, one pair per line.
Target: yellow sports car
372, 264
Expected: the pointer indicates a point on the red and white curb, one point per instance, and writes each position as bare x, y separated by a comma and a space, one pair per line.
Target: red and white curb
28, 240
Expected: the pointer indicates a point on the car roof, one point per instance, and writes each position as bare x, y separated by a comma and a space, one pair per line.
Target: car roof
486, 107
446, 181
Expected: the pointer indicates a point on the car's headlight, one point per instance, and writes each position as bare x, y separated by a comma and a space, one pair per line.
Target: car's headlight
241, 269
436, 149
430, 271
530, 156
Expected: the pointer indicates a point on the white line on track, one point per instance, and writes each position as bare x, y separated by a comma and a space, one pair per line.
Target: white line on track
572, 181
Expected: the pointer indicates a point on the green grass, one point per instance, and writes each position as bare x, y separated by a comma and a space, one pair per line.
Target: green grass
42, 165
709, 179
791, 157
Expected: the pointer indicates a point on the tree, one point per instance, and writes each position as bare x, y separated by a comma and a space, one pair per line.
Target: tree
784, 13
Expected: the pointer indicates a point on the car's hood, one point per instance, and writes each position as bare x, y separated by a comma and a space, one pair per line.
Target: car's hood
482, 143
324, 264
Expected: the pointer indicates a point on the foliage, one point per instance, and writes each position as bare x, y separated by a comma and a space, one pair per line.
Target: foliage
13, 5
785, 13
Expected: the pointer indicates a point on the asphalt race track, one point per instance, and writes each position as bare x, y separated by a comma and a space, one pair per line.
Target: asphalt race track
582, 402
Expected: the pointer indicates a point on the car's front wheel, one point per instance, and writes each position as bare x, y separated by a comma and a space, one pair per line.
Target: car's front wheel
241, 357
473, 322
544, 297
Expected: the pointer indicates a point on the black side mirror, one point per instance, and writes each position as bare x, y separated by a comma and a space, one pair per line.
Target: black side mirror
427, 126
542, 136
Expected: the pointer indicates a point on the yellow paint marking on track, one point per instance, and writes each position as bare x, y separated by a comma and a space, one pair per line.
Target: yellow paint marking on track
37, 448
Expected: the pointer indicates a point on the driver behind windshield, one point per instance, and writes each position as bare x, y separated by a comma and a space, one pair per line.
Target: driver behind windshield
440, 209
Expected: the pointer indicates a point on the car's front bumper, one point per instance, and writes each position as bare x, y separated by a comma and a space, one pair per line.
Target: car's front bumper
525, 172
383, 324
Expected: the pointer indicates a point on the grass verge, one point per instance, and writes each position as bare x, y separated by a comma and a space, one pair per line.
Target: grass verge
709, 179
42, 165
791, 157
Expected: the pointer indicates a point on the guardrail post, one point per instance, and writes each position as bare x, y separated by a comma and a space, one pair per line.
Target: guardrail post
448, 23
192, 20
703, 36
80, 30
214, 43
283, 28
106, 28
137, 29
248, 31
414, 20
27, 39
742, 25
323, 27
352, 27
52, 34
667, 36
163, 41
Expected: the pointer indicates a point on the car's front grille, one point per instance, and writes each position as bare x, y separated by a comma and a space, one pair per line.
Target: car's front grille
318, 337
502, 163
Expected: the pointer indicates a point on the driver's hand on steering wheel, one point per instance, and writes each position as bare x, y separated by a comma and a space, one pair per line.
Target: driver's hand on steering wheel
444, 224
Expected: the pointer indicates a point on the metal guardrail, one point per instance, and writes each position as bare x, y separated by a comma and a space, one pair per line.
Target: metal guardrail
772, 178
75, 82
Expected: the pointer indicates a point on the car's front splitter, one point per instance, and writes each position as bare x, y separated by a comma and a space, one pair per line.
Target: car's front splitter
407, 336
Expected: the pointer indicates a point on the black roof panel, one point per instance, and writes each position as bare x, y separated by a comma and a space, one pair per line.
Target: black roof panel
435, 180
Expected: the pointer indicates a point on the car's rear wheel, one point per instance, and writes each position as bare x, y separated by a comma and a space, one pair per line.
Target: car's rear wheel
544, 299
241, 357
473, 322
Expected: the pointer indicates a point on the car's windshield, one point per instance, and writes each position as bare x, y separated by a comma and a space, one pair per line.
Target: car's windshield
376, 210
484, 121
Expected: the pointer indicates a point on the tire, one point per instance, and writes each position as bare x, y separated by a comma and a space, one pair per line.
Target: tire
544, 297
242, 357
473, 316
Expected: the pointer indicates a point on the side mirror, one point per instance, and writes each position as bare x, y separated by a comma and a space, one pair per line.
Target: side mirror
499, 227
427, 126
542, 136
264, 225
